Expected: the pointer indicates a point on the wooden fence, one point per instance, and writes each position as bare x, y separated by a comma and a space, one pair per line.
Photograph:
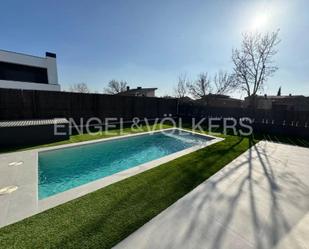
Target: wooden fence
30, 104
283, 122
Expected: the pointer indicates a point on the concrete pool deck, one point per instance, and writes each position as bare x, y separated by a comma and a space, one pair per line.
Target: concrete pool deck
259, 200
19, 179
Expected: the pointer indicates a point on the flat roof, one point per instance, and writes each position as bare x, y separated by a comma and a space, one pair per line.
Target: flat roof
48, 54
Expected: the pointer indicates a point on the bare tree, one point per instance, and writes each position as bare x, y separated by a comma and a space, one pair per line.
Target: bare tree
180, 91
253, 63
224, 82
79, 88
115, 86
201, 87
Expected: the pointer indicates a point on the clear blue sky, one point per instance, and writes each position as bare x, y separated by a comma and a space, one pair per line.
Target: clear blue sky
149, 43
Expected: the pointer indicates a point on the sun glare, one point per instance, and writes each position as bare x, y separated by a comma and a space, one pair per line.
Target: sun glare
260, 21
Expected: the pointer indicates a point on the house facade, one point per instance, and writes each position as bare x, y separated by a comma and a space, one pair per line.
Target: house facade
139, 91
28, 72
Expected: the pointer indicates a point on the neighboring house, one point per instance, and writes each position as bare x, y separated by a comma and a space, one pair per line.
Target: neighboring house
279, 103
139, 91
22, 71
220, 100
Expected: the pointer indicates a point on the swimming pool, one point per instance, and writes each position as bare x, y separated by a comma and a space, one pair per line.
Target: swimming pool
70, 167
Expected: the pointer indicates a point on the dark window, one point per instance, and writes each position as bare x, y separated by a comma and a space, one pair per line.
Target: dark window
16, 72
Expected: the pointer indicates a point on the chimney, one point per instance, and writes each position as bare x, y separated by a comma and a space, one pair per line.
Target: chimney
49, 54
139, 88
128, 88
51, 62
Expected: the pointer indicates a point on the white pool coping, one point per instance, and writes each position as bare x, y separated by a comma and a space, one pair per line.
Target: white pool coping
24, 202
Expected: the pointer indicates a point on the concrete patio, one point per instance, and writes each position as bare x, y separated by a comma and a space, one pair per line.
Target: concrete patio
259, 200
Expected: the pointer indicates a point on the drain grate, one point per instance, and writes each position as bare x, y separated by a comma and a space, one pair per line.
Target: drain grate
8, 190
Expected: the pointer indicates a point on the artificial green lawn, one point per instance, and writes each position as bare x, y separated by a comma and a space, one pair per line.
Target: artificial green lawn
103, 218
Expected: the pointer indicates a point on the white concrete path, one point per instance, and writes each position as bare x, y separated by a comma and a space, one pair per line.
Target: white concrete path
260, 200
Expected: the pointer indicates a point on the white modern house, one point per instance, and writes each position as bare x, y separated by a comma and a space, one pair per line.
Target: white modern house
22, 71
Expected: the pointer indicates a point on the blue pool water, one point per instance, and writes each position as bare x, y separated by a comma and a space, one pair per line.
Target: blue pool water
66, 168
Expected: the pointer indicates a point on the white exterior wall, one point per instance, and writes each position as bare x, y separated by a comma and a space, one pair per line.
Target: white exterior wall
28, 60
28, 85
52, 73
